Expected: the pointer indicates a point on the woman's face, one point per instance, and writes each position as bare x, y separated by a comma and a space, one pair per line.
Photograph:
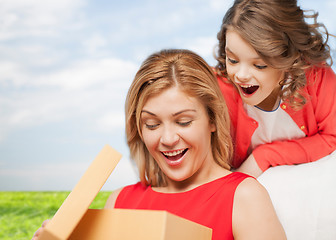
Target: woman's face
258, 83
177, 133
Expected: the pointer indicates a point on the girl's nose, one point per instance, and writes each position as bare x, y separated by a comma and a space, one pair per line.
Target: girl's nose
169, 137
243, 74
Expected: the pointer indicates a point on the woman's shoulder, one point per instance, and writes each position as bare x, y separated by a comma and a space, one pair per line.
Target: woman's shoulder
253, 213
250, 188
112, 199
110, 203
251, 197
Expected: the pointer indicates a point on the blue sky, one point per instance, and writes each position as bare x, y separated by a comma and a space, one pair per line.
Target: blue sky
65, 67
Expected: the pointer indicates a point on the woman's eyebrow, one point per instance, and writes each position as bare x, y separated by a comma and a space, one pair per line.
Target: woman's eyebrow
174, 114
150, 113
183, 111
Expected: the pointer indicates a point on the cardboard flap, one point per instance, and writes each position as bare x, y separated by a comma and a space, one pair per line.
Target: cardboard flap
78, 201
130, 224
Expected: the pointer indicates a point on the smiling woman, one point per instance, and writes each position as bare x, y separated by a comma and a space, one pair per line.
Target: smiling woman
181, 137
178, 131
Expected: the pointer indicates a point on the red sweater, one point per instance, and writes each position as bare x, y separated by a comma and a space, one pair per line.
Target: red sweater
317, 119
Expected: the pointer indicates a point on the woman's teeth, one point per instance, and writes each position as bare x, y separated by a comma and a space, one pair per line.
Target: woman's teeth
174, 155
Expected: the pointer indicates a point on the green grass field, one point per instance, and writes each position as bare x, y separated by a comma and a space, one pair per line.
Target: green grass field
21, 213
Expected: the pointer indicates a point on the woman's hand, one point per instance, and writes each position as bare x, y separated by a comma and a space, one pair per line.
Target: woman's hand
38, 232
250, 167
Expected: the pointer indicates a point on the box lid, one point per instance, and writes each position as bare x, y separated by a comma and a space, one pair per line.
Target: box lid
130, 224
79, 200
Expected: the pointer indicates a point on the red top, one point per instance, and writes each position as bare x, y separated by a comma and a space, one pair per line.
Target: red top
209, 204
317, 119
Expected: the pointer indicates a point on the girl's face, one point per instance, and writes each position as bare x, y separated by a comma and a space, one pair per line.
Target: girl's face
258, 83
177, 133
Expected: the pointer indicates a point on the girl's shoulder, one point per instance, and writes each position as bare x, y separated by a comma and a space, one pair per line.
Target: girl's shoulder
320, 74
321, 81
229, 92
224, 84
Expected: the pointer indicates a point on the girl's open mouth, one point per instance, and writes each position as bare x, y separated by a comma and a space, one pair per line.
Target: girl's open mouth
249, 89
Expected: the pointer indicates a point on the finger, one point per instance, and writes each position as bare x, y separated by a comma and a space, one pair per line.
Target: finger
45, 222
37, 233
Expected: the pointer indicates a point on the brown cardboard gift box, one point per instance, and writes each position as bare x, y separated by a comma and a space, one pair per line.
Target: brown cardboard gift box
74, 220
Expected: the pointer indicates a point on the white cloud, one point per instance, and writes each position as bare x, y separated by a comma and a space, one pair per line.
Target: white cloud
11, 73
61, 176
88, 88
90, 73
220, 5
331, 3
22, 110
111, 121
94, 43
204, 46
36, 17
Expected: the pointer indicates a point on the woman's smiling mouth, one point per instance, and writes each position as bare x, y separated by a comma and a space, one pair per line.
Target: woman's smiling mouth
174, 157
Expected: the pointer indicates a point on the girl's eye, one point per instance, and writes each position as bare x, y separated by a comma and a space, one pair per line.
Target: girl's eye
184, 123
232, 61
260, 66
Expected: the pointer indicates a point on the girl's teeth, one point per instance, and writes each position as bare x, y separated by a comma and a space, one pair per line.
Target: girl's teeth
249, 89
246, 86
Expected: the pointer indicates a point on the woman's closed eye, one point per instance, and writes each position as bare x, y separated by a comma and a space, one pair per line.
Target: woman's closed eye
184, 123
151, 126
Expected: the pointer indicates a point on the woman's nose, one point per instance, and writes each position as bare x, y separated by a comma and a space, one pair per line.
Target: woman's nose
169, 137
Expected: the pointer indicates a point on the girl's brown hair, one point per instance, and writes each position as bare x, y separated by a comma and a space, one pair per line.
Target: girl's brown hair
277, 30
191, 74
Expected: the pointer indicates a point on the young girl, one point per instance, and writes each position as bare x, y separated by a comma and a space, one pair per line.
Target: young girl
274, 72
178, 132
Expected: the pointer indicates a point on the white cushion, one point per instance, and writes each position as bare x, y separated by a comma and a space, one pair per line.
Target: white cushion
304, 197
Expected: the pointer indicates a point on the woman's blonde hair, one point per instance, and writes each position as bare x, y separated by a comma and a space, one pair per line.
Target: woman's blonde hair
191, 74
277, 30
